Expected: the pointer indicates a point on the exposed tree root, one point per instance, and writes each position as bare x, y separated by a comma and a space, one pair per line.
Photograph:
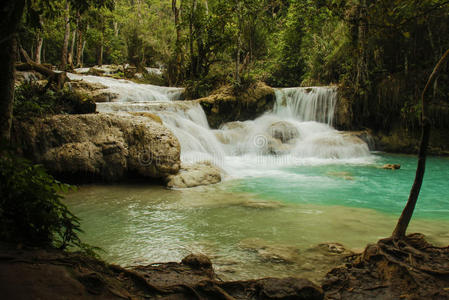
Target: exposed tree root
408, 268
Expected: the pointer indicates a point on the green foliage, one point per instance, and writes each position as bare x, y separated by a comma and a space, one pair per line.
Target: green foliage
31, 210
34, 100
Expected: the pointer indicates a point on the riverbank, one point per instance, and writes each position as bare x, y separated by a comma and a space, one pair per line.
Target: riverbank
409, 269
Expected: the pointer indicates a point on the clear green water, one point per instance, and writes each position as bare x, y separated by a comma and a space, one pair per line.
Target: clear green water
245, 224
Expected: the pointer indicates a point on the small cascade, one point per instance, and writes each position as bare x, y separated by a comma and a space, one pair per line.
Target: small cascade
306, 103
128, 91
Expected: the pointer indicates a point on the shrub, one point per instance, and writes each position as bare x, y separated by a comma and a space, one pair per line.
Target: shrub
34, 100
31, 211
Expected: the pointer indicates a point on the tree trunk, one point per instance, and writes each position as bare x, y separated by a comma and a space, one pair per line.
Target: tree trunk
10, 16
70, 57
39, 43
175, 10
192, 56
65, 46
100, 56
239, 43
79, 44
404, 220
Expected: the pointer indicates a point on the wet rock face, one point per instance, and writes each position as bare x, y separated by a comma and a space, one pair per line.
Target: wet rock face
283, 131
96, 91
191, 175
99, 146
222, 106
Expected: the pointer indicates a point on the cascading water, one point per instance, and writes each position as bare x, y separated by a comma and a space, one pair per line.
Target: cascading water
128, 91
307, 104
298, 131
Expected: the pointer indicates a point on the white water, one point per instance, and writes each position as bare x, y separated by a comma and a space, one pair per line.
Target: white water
297, 132
128, 91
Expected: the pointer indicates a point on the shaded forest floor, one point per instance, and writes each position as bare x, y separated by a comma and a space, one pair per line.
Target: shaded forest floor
409, 269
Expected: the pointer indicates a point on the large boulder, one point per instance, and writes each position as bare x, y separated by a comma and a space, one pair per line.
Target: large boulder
191, 175
224, 106
283, 131
99, 146
96, 91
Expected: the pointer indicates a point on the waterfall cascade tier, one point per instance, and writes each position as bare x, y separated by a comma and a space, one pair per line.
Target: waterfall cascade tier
307, 104
297, 131
128, 91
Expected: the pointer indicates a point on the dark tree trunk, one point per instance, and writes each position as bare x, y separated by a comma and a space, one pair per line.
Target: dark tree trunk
178, 42
10, 14
65, 46
404, 220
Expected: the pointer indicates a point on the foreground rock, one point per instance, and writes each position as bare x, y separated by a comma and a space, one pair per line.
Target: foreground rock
52, 274
99, 146
223, 106
191, 175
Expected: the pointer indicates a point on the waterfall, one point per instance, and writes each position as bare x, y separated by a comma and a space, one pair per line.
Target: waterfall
297, 131
307, 104
128, 91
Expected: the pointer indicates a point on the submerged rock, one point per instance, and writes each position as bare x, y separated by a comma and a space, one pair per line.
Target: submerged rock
99, 146
280, 254
191, 175
391, 166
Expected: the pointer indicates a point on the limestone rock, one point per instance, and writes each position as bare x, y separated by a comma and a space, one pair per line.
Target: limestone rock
152, 116
391, 166
191, 175
283, 131
96, 91
103, 146
223, 106
197, 261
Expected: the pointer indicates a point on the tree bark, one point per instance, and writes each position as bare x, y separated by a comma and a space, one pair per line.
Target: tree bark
239, 42
175, 10
404, 220
39, 42
79, 44
65, 46
10, 15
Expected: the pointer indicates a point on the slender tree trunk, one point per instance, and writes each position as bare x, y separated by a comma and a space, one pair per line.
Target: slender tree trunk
39, 43
65, 46
10, 16
100, 56
404, 220
239, 42
70, 58
192, 55
79, 46
175, 10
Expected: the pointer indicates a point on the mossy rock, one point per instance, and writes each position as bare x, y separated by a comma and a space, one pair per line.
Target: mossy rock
225, 106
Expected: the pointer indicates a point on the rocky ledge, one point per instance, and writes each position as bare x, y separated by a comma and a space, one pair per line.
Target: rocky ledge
99, 146
224, 106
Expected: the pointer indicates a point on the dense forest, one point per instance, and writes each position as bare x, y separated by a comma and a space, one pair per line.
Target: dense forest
379, 52
288, 100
